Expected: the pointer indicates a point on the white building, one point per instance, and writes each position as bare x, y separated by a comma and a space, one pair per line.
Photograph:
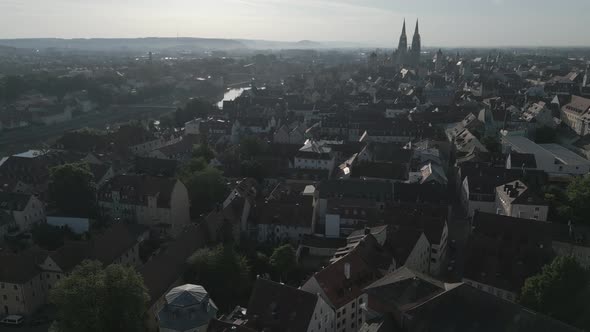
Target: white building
516, 200
551, 158
315, 155
576, 115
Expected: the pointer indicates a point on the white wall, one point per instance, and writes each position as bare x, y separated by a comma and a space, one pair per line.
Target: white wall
332, 225
180, 208
419, 258
322, 318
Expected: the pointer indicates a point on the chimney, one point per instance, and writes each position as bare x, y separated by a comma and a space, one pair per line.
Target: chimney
347, 271
367, 231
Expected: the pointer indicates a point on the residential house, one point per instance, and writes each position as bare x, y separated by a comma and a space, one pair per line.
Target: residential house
188, 308
517, 200
315, 155
275, 221
502, 252
32, 167
411, 220
538, 115
288, 135
26, 209
181, 150
22, 288
576, 115
143, 149
341, 283
277, 307
118, 244
158, 202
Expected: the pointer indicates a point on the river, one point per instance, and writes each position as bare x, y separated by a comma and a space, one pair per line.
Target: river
231, 94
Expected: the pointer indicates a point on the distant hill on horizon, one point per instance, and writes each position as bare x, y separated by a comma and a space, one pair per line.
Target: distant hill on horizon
154, 44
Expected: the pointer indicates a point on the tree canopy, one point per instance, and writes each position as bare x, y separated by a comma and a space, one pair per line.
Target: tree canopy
224, 273
283, 261
72, 190
251, 147
195, 108
561, 291
578, 195
96, 299
206, 185
545, 135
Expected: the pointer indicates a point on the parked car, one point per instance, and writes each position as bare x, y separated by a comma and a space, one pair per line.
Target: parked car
12, 320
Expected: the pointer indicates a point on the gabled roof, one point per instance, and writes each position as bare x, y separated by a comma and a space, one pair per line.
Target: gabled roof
164, 269
22, 267
134, 189
503, 251
278, 307
105, 247
404, 289
10, 201
364, 261
465, 308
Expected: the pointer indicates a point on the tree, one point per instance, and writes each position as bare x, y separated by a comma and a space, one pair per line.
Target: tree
203, 151
98, 299
224, 273
72, 190
251, 147
561, 291
253, 169
491, 143
283, 260
578, 195
195, 108
50, 237
205, 184
545, 135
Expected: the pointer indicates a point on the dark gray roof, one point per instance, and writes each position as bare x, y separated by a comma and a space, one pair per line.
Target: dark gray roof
355, 188
404, 288
465, 308
188, 307
278, 307
13, 201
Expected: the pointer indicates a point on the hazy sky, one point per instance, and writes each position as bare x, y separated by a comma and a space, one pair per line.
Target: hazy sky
375, 22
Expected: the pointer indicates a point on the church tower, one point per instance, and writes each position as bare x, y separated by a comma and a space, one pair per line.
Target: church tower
416, 46
402, 48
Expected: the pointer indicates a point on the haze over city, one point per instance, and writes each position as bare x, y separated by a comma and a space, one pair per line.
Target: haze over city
371, 23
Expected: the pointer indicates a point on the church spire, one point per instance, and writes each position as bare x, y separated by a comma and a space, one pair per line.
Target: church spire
404, 28
416, 31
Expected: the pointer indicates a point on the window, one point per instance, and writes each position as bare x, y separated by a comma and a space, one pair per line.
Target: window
2, 285
17, 298
15, 287
4, 297
352, 305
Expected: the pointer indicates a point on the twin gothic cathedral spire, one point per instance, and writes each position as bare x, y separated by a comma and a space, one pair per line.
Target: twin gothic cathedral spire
405, 56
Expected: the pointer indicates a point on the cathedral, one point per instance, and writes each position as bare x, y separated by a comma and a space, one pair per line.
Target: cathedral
405, 56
